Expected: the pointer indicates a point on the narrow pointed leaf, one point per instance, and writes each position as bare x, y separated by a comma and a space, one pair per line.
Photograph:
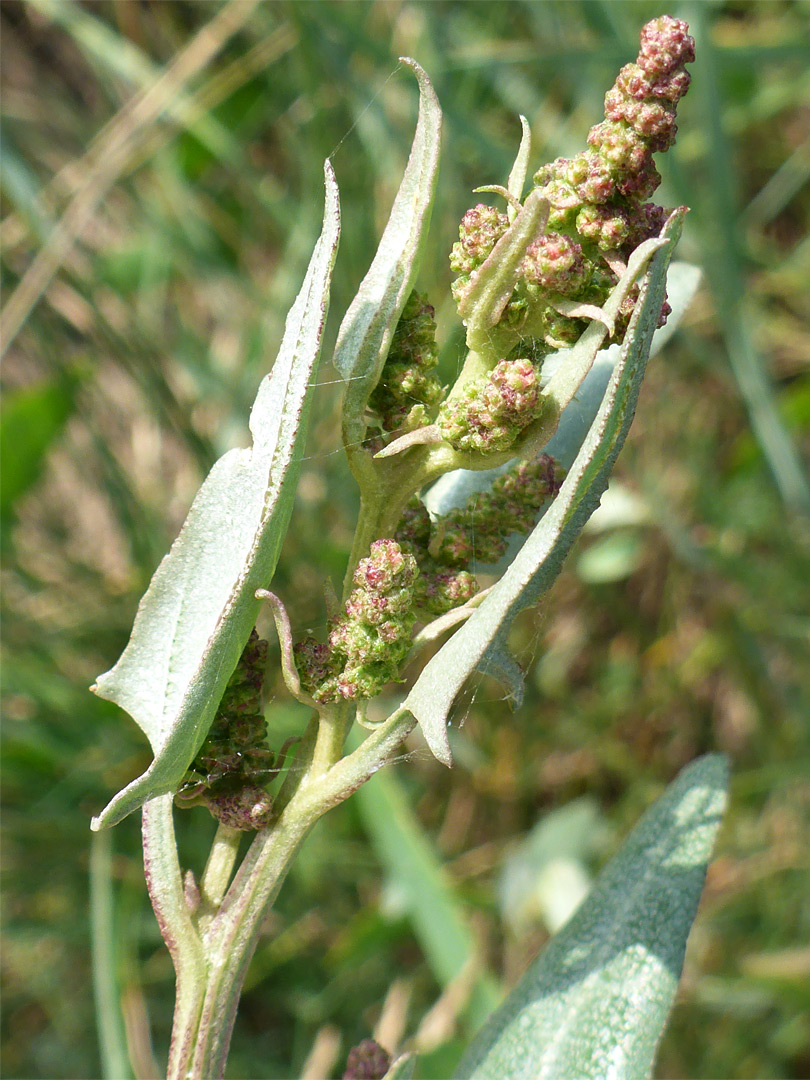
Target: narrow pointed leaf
494, 282
365, 333
540, 559
517, 177
199, 609
593, 1005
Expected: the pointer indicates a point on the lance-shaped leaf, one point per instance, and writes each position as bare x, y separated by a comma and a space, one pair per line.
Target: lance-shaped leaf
540, 559
493, 283
517, 176
199, 609
365, 333
594, 1003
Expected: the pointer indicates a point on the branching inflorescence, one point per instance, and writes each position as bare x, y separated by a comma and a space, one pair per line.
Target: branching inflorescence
542, 290
597, 216
581, 260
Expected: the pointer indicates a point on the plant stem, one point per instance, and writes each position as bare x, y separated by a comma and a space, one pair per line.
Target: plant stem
106, 989
217, 874
332, 724
165, 885
203, 1038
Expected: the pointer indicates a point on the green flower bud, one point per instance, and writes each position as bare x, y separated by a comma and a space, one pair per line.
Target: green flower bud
371, 637
482, 529
413, 531
441, 590
408, 388
555, 262
494, 409
248, 808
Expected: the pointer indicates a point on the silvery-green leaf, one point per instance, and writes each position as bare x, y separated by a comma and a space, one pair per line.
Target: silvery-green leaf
199, 609
611, 558
566, 381
540, 559
365, 333
593, 1005
498, 662
620, 507
456, 488
682, 283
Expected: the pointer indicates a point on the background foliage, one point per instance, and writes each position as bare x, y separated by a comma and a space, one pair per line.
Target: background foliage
183, 226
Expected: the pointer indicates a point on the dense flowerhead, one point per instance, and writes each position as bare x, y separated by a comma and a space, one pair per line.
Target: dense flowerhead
371, 637
408, 389
599, 208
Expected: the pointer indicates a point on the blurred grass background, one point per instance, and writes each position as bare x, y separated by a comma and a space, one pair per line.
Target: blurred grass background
162, 188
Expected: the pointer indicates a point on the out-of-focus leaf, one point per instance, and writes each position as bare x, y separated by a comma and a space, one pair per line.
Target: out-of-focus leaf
611, 558
122, 58
620, 508
197, 614
365, 333
545, 876
540, 559
594, 1003
436, 914
106, 987
31, 419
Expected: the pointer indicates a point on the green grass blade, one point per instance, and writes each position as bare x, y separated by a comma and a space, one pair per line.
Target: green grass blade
106, 990
725, 273
411, 862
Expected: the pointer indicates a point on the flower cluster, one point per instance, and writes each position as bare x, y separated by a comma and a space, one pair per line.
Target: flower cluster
439, 587
597, 199
408, 387
369, 640
480, 230
478, 532
234, 760
493, 410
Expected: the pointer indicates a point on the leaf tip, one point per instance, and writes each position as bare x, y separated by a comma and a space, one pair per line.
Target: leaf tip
439, 744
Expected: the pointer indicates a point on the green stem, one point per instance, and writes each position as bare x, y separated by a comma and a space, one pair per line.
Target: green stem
386, 492
217, 874
332, 724
165, 884
106, 989
234, 932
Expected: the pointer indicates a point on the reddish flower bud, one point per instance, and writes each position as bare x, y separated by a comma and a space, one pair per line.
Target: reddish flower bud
555, 262
665, 45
